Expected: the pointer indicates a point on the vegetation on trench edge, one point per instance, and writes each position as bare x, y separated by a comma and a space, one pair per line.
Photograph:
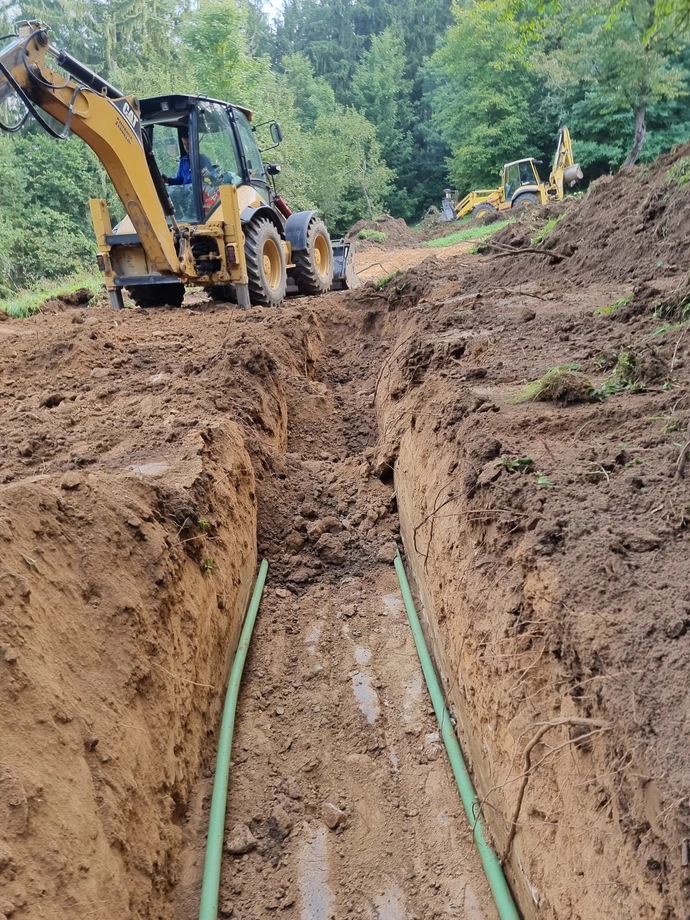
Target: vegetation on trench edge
469, 234
28, 302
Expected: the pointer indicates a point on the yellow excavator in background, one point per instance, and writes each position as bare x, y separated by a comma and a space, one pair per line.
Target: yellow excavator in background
219, 223
520, 185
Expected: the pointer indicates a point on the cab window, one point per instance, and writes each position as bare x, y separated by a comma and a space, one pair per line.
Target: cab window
511, 181
218, 159
166, 142
251, 149
527, 174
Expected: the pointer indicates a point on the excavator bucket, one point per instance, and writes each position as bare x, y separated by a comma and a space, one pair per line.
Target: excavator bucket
344, 272
448, 206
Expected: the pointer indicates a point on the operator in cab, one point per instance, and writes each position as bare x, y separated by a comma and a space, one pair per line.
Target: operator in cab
184, 171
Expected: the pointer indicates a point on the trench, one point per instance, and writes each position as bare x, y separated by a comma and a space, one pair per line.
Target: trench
341, 801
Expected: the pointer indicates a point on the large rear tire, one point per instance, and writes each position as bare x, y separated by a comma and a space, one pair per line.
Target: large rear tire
313, 272
266, 268
157, 295
526, 200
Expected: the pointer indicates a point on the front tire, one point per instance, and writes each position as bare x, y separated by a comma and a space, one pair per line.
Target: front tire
482, 211
157, 295
313, 271
266, 268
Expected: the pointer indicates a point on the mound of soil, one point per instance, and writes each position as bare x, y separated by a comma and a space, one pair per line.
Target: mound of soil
398, 234
549, 541
629, 227
68, 300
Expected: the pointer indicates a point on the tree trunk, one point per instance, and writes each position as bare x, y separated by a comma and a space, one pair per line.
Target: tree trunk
640, 134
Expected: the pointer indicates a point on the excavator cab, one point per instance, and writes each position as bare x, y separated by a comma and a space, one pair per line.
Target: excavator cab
200, 144
519, 178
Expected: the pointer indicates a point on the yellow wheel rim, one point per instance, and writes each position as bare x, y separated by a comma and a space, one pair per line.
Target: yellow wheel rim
322, 254
272, 267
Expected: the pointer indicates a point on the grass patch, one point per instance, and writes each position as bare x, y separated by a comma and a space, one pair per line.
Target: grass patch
375, 236
626, 375
545, 230
607, 311
480, 232
382, 282
26, 303
679, 173
564, 384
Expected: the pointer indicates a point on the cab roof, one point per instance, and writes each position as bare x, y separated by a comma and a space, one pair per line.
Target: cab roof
154, 106
524, 160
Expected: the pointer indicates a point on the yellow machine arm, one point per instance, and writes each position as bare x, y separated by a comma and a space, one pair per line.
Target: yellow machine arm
565, 170
107, 120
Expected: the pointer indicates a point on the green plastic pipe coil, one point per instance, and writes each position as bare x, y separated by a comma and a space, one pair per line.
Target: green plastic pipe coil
210, 886
492, 867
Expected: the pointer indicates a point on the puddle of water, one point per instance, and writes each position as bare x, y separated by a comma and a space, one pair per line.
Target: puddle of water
393, 603
391, 905
362, 655
151, 469
366, 696
317, 897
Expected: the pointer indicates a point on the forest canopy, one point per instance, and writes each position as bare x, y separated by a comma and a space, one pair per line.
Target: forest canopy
382, 103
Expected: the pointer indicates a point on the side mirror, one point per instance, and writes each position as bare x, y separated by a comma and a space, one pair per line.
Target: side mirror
276, 132
272, 169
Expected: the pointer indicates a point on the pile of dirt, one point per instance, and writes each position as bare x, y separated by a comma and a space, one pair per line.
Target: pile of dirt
397, 234
69, 300
128, 521
549, 540
630, 227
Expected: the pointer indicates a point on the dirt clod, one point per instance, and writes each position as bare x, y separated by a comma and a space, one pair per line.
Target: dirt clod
332, 815
240, 841
331, 549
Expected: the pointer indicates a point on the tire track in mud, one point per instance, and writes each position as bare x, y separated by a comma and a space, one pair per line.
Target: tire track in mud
341, 801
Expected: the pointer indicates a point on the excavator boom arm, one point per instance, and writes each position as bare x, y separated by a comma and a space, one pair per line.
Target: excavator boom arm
107, 120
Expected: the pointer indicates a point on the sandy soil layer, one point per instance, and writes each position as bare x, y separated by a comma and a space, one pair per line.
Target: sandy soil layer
374, 264
113, 645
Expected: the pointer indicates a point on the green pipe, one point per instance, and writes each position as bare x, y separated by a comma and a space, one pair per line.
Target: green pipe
210, 886
492, 867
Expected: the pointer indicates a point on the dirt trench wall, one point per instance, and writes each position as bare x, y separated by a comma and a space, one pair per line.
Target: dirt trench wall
571, 857
121, 598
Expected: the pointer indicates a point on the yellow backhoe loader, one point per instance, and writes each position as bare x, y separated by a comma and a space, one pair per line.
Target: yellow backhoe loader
520, 185
201, 207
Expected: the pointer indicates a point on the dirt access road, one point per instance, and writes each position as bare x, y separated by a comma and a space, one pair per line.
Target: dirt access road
374, 264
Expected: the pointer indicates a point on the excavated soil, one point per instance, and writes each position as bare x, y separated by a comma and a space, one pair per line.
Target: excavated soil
147, 455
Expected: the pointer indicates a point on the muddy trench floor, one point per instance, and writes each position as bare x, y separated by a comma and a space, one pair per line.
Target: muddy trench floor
342, 803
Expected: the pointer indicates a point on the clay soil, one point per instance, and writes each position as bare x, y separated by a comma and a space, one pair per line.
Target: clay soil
148, 457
